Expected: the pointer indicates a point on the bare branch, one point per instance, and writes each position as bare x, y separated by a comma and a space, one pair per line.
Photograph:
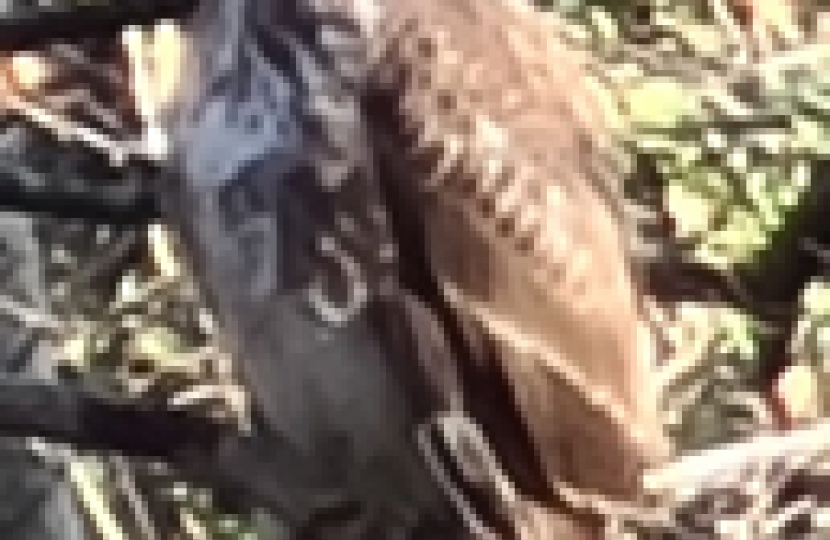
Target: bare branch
261, 470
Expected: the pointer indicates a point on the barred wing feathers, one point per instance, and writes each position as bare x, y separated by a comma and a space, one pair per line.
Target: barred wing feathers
499, 136
339, 157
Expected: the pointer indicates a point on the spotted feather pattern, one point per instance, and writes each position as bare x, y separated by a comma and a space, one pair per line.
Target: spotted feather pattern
341, 157
495, 127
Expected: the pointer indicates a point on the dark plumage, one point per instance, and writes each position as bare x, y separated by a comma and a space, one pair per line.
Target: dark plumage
376, 195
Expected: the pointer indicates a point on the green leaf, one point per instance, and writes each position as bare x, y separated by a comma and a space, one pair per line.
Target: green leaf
660, 103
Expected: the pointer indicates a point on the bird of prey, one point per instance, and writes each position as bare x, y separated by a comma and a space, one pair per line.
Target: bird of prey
400, 211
